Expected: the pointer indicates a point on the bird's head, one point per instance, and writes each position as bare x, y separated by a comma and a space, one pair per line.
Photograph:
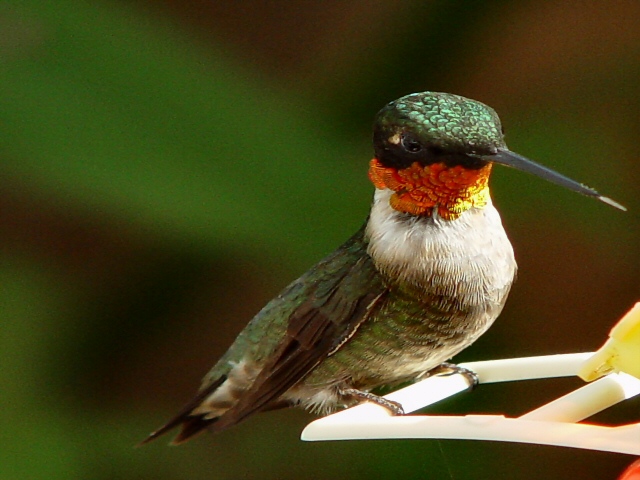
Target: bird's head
435, 152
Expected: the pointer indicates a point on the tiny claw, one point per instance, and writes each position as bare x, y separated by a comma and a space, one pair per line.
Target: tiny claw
447, 369
393, 407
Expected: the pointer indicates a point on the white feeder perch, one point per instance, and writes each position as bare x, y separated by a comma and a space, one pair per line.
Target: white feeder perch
550, 424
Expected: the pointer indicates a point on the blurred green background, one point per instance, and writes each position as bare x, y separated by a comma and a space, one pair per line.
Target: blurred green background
167, 166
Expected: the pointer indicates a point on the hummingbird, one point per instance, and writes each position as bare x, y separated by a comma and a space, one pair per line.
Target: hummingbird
424, 277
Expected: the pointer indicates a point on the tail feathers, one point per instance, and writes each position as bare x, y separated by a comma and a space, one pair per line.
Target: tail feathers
191, 424
191, 427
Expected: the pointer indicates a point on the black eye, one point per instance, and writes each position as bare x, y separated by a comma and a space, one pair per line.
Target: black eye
410, 144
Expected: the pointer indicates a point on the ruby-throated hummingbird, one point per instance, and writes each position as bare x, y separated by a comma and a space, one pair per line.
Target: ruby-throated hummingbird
425, 276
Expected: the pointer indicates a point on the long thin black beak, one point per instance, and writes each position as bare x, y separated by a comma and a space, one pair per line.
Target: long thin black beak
511, 159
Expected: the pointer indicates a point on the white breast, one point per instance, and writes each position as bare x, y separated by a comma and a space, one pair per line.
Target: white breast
469, 256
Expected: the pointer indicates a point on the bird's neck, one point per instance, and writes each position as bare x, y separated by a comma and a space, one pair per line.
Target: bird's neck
428, 256
435, 189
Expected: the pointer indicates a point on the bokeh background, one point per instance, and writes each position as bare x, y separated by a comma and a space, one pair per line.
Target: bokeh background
167, 166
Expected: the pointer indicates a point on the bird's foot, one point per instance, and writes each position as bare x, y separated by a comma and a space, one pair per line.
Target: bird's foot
394, 407
446, 369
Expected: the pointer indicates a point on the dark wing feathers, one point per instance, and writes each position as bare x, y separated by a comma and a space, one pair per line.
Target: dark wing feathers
190, 425
340, 292
315, 329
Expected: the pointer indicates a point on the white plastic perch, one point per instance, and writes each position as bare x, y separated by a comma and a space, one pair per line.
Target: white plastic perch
550, 424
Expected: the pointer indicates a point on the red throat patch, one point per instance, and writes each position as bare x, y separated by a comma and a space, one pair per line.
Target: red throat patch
419, 189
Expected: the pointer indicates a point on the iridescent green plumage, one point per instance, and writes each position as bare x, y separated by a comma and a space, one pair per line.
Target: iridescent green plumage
443, 121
